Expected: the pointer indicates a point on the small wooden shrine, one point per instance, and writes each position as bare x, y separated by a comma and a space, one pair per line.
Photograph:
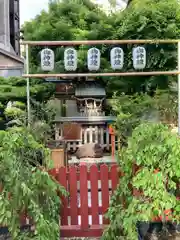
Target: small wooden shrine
85, 120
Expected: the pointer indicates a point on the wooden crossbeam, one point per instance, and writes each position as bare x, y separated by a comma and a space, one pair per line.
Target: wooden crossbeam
112, 74
98, 42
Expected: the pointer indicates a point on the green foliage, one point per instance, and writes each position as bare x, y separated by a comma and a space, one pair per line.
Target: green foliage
1, 105
151, 147
14, 113
24, 162
148, 20
166, 103
42, 116
32, 189
14, 89
19, 105
83, 20
67, 20
132, 110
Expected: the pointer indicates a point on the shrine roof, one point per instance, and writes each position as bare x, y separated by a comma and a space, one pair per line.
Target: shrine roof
85, 119
90, 90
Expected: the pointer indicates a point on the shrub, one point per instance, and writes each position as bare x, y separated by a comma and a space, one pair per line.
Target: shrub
27, 186
151, 147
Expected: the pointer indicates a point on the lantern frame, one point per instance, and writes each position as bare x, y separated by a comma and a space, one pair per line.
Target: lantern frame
101, 42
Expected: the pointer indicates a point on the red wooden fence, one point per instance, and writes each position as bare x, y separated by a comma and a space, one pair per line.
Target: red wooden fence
82, 213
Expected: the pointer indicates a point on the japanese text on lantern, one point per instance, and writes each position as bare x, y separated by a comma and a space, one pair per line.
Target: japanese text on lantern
47, 59
139, 58
94, 56
70, 59
117, 58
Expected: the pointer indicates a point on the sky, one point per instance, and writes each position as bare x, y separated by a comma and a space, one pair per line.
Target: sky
30, 8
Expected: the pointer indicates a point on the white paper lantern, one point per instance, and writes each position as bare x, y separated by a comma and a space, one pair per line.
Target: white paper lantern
47, 59
139, 58
70, 59
93, 59
117, 58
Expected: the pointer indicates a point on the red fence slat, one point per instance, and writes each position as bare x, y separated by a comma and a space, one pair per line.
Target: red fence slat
94, 194
76, 232
105, 190
73, 196
69, 178
114, 177
84, 197
63, 181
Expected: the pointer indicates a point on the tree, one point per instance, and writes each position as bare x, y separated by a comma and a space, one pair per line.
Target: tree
41, 122
13, 89
148, 20
25, 162
132, 110
83, 20
68, 20
26, 187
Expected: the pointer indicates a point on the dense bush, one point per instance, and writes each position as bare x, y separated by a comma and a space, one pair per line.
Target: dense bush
27, 187
156, 153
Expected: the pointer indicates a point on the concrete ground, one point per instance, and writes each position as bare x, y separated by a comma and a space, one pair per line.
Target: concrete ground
80, 238
105, 159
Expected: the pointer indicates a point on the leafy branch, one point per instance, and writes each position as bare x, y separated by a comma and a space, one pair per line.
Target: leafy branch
151, 147
26, 187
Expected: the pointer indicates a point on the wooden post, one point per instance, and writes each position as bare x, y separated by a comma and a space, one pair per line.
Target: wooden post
119, 144
57, 156
113, 145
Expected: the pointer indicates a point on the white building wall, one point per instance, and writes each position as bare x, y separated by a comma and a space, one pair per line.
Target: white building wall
4, 25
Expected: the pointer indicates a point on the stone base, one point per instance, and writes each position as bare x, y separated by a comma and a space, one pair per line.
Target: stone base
155, 231
155, 236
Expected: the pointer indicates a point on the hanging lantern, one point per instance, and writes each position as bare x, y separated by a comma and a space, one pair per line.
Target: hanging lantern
117, 58
93, 59
139, 58
47, 59
70, 59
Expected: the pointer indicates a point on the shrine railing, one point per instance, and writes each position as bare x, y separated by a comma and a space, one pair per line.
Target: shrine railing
92, 134
85, 112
